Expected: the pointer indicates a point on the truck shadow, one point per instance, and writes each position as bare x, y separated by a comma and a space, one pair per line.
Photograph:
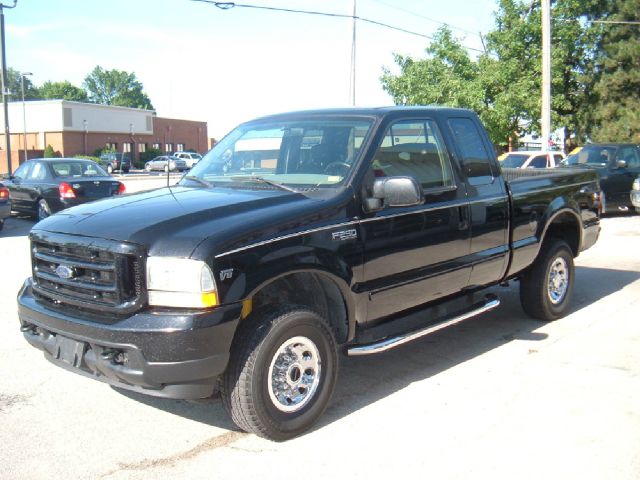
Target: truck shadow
364, 380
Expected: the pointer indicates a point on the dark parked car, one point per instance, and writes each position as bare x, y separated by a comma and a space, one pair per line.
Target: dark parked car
617, 164
5, 204
43, 186
112, 162
166, 163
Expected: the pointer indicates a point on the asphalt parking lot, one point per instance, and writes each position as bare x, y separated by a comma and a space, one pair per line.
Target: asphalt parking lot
499, 396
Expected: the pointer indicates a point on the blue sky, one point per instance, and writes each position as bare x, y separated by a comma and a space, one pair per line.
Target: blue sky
199, 62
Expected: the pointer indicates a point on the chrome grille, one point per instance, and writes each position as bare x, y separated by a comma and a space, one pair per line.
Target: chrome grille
86, 273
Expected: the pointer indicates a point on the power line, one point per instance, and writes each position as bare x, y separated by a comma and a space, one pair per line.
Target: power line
415, 14
618, 22
229, 5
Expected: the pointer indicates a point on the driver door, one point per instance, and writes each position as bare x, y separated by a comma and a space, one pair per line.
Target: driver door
415, 254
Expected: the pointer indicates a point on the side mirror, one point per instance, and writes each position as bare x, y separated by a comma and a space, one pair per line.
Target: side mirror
621, 164
395, 192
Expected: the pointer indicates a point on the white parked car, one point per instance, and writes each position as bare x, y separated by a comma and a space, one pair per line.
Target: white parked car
190, 158
532, 159
635, 194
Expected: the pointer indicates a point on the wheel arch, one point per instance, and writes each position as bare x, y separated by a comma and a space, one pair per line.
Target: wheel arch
317, 289
565, 224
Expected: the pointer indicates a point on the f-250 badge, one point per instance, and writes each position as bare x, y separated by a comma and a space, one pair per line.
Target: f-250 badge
342, 235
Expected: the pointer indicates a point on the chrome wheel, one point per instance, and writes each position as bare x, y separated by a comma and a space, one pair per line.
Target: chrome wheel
294, 374
558, 281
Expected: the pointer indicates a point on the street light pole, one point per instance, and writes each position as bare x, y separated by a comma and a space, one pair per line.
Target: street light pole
86, 134
24, 115
352, 80
5, 90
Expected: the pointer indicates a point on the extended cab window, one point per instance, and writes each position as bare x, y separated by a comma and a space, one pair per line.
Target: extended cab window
476, 160
414, 148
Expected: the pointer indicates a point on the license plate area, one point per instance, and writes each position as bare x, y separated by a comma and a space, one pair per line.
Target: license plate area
69, 351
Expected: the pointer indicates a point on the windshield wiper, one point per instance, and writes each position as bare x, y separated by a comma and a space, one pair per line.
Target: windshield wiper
256, 178
199, 180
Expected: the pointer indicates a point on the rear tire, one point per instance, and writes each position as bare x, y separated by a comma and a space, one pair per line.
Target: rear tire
546, 288
43, 211
281, 373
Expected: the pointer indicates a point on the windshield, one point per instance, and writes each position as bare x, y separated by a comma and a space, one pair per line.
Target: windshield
592, 155
514, 160
303, 155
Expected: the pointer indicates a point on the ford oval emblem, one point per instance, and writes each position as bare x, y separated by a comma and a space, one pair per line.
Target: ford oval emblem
65, 272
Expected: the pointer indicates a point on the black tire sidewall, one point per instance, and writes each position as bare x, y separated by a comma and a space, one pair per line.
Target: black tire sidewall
296, 323
554, 311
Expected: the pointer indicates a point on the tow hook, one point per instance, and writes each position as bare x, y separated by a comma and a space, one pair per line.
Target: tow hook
117, 357
29, 328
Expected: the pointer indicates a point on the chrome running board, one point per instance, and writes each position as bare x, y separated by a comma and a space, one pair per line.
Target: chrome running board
489, 303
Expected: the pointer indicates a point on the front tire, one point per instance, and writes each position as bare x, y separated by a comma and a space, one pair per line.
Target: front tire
281, 373
546, 288
43, 211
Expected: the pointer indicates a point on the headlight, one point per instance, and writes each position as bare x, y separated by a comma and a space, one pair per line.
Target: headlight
180, 282
636, 184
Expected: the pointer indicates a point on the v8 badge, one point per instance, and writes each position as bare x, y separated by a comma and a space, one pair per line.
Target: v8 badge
226, 274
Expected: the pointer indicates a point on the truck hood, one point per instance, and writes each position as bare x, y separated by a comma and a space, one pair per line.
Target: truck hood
173, 221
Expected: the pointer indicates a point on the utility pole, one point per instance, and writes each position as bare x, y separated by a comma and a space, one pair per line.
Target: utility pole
545, 121
5, 91
352, 80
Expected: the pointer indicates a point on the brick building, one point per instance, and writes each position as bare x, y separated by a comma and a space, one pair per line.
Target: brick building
74, 128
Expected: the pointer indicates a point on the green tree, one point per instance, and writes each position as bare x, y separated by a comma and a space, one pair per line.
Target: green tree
504, 85
616, 76
14, 85
449, 76
62, 91
116, 87
49, 152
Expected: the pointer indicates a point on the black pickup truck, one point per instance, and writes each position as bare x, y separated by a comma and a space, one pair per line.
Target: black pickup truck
298, 237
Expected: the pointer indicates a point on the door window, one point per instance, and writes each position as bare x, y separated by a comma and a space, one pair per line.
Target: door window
539, 161
630, 155
38, 172
476, 159
414, 148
